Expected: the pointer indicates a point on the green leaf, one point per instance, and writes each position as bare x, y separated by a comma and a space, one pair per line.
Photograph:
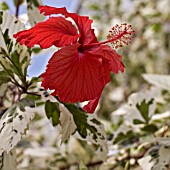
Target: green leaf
14, 122
4, 6
16, 2
74, 120
127, 165
17, 67
4, 77
150, 128
3, 88
36, 3
144, 109
20, 59
94, 7
121, 136
138, 122
52, 112
88, 127
36, 50
80, 119
156, 27
82, 166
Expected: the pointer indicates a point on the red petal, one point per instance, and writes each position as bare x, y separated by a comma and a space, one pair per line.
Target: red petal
114, 58
75, 76
83, 23
55, 31
91, 106
111, 60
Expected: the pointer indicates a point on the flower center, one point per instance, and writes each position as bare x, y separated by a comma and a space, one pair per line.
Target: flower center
117, 37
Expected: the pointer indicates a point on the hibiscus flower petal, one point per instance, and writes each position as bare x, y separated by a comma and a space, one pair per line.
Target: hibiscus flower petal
114, 58
83, 23
91, 106
111, 60
75, 76
55, 31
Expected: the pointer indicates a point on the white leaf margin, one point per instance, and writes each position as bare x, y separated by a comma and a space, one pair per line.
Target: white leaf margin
145, 163
101, 140
12, 127
11, 24
8, 161
162, 81
34, 15
129, 110
68, 126
162, 161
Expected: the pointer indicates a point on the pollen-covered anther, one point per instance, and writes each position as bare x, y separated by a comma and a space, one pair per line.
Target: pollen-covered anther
120, 35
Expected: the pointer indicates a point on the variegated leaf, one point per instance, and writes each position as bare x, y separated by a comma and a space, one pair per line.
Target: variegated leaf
14, 122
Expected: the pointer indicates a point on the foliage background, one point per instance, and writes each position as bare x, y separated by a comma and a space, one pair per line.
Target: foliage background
134, 106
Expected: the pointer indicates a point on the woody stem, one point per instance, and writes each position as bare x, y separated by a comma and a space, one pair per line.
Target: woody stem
17, 8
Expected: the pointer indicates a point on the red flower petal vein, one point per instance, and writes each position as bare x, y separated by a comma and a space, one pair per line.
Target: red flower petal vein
83, 23
55, 31
74, 76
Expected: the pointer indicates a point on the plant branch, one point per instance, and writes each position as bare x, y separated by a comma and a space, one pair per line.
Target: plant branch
12, 77
76, 164
17, 8
21, 76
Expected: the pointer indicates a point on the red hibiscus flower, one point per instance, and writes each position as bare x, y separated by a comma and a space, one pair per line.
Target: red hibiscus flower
81, 68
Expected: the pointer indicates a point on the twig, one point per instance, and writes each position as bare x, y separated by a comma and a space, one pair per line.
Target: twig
76, 164
17, 8
32, 93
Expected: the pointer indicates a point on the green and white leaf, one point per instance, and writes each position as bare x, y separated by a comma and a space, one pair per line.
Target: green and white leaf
72, 120
89, 128
156, 158
162, 81
17, 57
8, 161
14, 122
52, 112
34, 15
136, 116
145, 163
139, 109
21, 58
45, 95
10, 24
68, 126
4, 79
59, 115
82, 166
163, 161
142, 105
3, 88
